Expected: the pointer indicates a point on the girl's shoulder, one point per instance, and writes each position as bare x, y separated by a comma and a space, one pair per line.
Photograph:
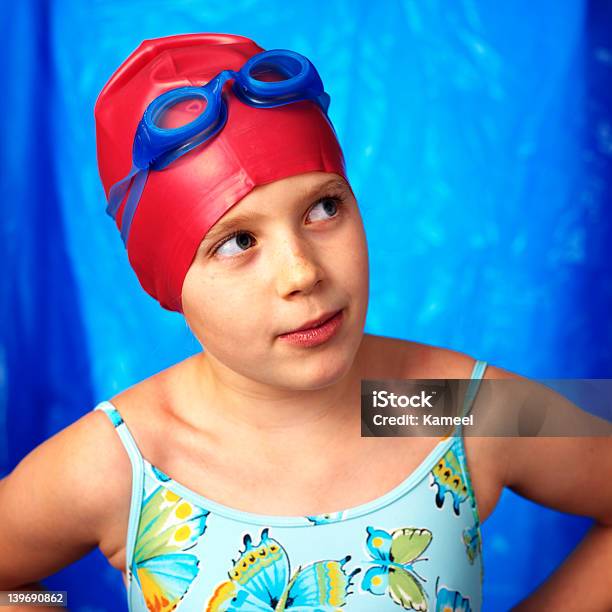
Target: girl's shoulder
410, 359
144, 409
388, 357
61, 499
72, 493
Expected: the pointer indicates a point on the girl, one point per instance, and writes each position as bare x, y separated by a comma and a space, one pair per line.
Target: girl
238, 478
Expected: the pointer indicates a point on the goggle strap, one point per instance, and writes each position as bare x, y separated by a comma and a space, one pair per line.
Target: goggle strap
118, 191
132, 202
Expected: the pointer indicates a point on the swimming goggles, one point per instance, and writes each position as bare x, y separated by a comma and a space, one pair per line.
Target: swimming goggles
156, 147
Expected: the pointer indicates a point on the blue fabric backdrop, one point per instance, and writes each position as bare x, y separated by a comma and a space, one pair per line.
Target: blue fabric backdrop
478, 139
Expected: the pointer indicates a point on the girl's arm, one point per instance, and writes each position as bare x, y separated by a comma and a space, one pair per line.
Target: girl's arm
573, 475
57, 503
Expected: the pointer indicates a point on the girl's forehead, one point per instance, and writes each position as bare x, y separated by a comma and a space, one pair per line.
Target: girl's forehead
265, 202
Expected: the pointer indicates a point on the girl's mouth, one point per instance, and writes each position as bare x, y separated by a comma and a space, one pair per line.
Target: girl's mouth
315, 336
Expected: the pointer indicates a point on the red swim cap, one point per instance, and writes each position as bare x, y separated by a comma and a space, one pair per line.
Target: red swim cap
182, 202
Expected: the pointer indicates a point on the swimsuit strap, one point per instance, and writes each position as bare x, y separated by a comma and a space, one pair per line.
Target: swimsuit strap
137, 477
124, 433
459, 442
476, 377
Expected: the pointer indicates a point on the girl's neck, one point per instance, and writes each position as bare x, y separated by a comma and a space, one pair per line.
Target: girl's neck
218, 401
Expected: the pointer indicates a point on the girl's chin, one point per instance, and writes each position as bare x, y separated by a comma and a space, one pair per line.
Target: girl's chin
313, 374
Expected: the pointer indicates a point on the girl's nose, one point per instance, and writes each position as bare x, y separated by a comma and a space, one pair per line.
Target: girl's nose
297, 271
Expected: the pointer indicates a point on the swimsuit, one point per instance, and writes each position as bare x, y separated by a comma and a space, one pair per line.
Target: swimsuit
418, 547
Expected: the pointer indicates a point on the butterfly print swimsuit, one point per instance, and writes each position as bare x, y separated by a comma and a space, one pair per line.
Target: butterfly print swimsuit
418, 547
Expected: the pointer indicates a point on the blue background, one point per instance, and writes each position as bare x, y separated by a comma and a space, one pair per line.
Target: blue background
478, 139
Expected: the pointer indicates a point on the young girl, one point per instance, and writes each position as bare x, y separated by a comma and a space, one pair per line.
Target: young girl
238, 478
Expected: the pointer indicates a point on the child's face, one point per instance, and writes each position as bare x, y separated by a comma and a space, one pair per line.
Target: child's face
305, 255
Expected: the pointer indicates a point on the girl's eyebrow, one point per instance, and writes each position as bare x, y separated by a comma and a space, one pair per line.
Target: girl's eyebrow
223, 227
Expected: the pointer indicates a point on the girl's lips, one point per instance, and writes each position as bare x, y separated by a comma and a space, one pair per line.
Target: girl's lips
316, 335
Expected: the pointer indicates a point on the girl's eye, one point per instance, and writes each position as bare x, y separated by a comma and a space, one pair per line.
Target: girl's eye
330, 206
242, 240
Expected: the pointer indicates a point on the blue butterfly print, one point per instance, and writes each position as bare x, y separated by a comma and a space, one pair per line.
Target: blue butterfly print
328, 517
261, 581
451, 601
472, 541
447, 476
159, 474
169, 525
